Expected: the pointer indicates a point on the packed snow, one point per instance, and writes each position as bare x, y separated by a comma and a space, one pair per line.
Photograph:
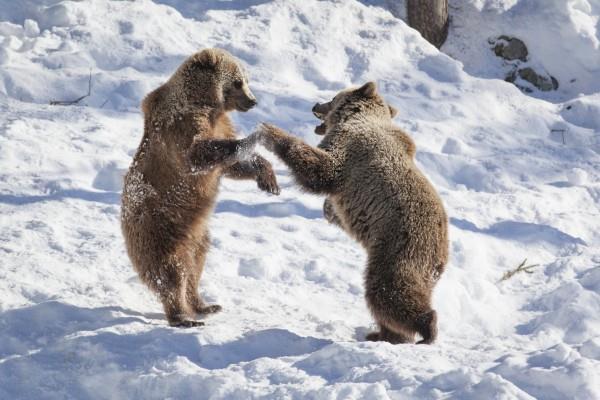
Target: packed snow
518, 173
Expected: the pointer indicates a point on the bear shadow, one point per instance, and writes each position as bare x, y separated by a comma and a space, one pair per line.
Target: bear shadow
61, 337
80, 194
26, 329
524, 232
271, 209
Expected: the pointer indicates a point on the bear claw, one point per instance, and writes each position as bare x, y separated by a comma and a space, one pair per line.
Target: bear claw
186, 324
212, 309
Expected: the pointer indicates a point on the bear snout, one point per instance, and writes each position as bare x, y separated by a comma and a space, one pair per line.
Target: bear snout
246, 104
320, 110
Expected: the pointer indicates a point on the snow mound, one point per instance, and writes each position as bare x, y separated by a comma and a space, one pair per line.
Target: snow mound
584, 112
518, 176
554, 373
562, 36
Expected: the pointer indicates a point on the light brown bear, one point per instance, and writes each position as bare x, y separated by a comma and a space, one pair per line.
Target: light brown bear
365, 165
165, 205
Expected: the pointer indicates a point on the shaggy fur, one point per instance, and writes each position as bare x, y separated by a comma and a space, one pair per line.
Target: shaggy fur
165, 206
376, 193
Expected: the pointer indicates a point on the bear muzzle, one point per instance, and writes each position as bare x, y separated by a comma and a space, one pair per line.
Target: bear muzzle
246, 104
320, 110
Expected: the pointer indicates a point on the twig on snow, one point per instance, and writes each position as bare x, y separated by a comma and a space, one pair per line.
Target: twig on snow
528, 269
73, 102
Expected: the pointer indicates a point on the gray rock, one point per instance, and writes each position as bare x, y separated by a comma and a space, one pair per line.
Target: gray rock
514, 50
544, 82
510, 48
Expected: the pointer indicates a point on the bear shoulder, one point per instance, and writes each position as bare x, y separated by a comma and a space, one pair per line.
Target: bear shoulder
154, 101
407, 145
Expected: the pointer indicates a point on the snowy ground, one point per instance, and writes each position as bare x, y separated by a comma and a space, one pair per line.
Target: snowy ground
519, 176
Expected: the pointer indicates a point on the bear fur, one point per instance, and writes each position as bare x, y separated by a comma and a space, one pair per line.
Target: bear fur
365, 165
165, 205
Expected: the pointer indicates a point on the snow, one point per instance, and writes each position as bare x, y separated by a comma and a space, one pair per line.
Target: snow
562, 36
518, 174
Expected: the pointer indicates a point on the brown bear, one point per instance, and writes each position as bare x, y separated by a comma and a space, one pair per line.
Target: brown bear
165, 204
365, 165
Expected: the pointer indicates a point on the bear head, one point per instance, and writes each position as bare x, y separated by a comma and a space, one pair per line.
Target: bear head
215, 78
350, 103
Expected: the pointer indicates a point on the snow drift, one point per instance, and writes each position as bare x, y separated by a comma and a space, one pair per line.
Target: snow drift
518, 174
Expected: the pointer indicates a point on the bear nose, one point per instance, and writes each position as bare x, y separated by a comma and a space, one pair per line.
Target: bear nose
252, 102
317, 111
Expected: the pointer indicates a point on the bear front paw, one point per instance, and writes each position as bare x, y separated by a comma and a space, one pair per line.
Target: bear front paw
261, 136
266, 179
267, 135
203, 157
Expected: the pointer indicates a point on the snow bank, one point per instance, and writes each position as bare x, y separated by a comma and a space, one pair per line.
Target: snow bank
518, 176
562, 36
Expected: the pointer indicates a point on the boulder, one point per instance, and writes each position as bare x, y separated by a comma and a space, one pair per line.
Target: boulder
510, 48
543, 81
515, 52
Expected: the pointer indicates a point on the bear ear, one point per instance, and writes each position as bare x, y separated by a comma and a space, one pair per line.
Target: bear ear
393, 111
368, 90
208, 58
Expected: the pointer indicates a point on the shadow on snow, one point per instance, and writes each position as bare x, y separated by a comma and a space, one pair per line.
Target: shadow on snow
521, 231
61, 337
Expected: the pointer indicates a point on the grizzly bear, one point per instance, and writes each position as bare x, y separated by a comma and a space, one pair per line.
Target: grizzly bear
365, 165
165, 204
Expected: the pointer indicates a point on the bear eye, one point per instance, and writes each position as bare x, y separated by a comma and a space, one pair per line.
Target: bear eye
238, 84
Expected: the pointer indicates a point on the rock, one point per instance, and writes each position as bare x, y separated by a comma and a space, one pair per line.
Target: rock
513, 49
544, 82
510, 48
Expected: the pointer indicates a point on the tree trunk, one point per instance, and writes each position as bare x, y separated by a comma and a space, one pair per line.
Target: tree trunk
430, 18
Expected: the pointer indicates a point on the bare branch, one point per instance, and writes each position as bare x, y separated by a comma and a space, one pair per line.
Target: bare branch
73, 102
528, 269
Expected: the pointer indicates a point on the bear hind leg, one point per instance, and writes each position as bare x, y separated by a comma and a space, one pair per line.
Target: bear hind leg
426, 325
175, 306
194, 299
387, 335
171, 287
193, 279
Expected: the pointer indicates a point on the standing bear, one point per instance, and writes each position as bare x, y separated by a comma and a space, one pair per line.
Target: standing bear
365, 166
165, 204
